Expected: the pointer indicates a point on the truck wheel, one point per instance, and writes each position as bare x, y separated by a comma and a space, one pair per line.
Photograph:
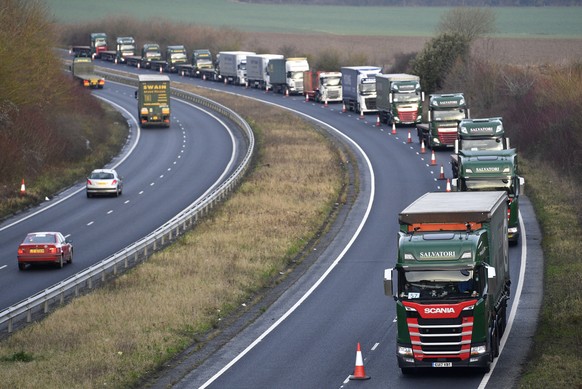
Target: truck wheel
21, 266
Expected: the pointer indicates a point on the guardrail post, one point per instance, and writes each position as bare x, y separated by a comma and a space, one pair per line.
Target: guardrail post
46, 306
10, 325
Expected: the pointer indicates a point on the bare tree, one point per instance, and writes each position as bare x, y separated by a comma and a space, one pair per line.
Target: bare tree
471, 23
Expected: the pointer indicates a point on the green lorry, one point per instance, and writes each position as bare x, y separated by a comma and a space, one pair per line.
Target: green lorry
153, 100
124, 47
150, 54
478, 134
399, 98
445, 111
201, 59
452, 280
493, 170
83, 70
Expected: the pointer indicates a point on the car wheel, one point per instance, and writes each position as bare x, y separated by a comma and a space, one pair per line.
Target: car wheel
21, 266
70, 257
62, 261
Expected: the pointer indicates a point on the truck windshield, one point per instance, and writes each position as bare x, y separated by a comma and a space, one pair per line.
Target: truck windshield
100, 42
368, 88
297, 76
331, 81
443, 115
439, 284
127, 47
488, 184
406, 97
151, 54
176, 56
482, 144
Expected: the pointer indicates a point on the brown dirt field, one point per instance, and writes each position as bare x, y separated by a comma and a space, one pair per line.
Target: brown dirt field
381, 50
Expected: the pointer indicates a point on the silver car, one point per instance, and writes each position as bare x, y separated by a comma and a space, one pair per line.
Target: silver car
104, 182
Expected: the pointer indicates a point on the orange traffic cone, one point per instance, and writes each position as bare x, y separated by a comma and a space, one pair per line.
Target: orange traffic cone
359, 371
204, 77
448, 185
442, 175
393, 129
161, 71
22, 188
378, 121
286, 92
325, 103
409, 139
422, 147
306, 97
225, 80
343, 107
433, 159
361, 114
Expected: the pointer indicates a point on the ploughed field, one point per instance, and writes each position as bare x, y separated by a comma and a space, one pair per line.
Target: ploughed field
382, 50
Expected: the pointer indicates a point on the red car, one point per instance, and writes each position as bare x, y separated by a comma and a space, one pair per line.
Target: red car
45, 247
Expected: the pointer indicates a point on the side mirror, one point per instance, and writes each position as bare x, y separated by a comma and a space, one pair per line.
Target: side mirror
456, 146
388, 282
454, 183
135, 94
491, 273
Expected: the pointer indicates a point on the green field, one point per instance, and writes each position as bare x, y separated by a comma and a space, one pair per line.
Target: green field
543, 22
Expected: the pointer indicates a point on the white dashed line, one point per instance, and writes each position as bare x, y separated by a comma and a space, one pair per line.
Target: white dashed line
110, 212
90, 223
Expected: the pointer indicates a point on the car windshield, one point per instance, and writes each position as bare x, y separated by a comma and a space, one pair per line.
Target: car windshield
40, 238
102, 176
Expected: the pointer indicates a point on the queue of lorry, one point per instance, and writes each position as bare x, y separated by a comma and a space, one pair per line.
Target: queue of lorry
451, 280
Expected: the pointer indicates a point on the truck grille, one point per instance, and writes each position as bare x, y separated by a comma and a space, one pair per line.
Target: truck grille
407, 116
441, 338
447, 135
334, 94
370, 102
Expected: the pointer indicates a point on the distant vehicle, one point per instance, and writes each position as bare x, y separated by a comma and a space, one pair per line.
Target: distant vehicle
104, 181
125, 47
83, 70
153, 100
359, 88
45, 247
98, 44
286, 74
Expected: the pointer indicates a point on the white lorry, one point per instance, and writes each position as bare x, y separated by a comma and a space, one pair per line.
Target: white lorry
359, 88
233, 66
257, 74
286, 74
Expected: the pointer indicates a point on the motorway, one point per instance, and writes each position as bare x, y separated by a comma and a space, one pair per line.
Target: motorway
307, 339
164, 170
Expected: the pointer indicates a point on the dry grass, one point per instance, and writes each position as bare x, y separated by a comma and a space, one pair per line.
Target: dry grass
119, 333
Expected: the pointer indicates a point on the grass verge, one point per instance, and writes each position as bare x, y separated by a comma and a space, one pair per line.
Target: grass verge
556, 357
130, 327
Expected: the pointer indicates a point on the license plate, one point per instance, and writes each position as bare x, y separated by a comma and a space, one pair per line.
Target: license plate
36, 251
154, 118
442, 364
102, 183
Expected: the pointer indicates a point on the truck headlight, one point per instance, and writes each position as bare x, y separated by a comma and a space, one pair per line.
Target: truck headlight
478, 350
405, 351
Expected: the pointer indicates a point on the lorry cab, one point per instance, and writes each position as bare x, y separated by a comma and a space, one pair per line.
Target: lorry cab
98, 44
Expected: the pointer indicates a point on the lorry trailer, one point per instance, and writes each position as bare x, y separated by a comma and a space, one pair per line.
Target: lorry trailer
83, 70
257, 73
153, 100
233, 66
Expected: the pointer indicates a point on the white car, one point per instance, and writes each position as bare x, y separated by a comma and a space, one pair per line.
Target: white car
104, 182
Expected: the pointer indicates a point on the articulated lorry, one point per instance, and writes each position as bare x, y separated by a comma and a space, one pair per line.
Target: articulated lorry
201, 59
286, 74
257, 74
476, 135
493, 170
150, 53
175, 55
124, 47
452, 280
322, 86
98, 44
399, 98
83, 70
359, 88
233, 66
445, 111
153, 100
